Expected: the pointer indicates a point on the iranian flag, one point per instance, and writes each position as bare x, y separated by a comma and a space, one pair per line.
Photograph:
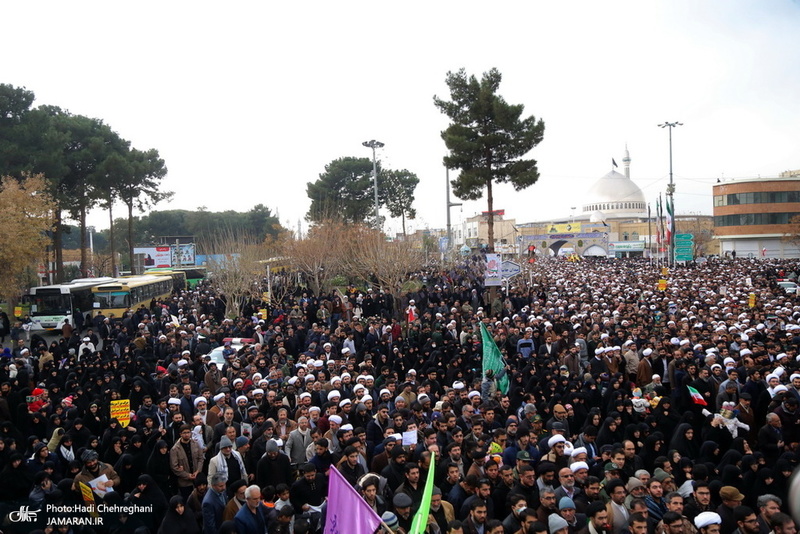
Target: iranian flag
697, 397
670, 229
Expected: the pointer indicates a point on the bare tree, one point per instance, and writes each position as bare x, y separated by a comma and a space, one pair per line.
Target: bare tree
389, 262
236, 266
793, 235
322, 254
701, 227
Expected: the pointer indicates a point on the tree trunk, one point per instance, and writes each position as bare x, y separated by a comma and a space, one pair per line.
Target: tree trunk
111, 239
490, 221
130, 237
58, 238
84, 259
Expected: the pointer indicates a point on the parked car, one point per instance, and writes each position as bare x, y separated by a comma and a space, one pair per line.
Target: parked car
236, 344
788, 286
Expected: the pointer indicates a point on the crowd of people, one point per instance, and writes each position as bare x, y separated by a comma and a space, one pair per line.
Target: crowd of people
620, 408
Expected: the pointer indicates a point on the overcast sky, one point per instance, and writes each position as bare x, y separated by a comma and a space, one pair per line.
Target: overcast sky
248, 101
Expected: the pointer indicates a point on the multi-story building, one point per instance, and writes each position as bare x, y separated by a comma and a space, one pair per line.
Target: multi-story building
753, 217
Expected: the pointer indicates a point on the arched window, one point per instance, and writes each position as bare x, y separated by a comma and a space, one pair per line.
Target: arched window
625, 236
635, 236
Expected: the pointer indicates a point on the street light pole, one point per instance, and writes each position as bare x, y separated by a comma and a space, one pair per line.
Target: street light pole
373, 144
671, 193
449, 205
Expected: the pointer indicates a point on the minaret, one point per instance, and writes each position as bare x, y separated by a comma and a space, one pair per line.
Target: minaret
626, 162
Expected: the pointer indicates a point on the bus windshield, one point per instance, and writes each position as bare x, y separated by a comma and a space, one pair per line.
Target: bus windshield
49, 304
112, 299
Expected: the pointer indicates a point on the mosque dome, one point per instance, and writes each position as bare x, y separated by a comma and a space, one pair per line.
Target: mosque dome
615, 195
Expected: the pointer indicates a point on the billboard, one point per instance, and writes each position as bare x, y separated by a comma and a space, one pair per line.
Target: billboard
166, 256
183, 255
568, 228
155, 257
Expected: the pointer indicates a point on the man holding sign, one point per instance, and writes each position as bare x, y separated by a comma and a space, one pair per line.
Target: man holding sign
93, 469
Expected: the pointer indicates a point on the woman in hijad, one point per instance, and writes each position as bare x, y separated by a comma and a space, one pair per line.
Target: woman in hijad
749, 467
17, 481
666, 416
179, 519
683, 441
594, 418
653, 448
783, 471
94, 420
158, 466
731, 457
127, 472
730, 475
147, 493
608, 434
765, 484
709, 453
114, 450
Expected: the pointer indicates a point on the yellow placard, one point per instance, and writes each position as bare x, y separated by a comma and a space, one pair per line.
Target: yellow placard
121, 411
751, 300
664, 271
88, 497
17, 311
662, 285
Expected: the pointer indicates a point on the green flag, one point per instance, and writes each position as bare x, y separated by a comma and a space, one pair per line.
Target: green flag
492, 359
421, 517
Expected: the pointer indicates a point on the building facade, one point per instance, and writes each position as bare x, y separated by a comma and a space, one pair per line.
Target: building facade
753, 217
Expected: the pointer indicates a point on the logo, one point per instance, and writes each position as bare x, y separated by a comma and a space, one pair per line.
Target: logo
23, 514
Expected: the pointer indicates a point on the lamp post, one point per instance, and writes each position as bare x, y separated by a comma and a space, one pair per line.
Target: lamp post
373, 144
671, 193
449, 205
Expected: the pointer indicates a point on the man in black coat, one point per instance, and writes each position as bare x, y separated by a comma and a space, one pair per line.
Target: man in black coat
310, 490
770, 438
273, 468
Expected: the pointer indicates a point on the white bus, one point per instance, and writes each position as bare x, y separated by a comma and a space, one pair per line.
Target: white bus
51, 305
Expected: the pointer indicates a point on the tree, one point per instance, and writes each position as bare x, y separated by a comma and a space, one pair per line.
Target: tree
487, 139
372, 257
142, 187
236, 267
321, 255
26, 215
396, 189
793, 235
261, 222
117, 170
702, 228
89, 142
344, 191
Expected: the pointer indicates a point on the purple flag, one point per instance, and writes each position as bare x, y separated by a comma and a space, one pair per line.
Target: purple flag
347, 512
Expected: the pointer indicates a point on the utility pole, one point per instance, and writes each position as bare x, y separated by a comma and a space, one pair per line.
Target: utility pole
649, 236
449, 205
373, 144
671, 194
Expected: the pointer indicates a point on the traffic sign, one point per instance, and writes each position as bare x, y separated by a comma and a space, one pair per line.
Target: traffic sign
509, 269
684, 237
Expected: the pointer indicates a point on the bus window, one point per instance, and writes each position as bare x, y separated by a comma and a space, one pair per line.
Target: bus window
50, 305
112, 299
